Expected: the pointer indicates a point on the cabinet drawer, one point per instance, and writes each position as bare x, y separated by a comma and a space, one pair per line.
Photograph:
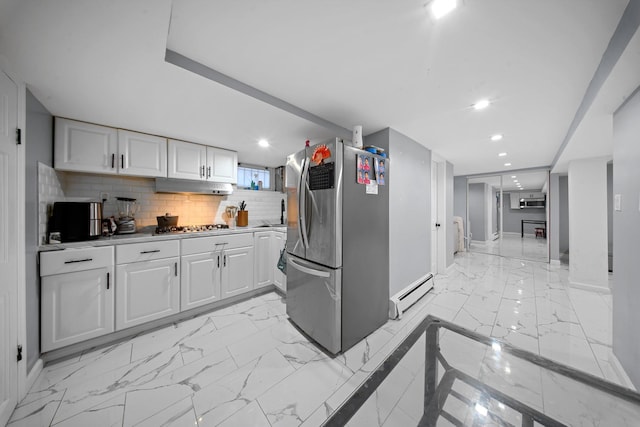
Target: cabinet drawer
137, 252
70, 260
216, 243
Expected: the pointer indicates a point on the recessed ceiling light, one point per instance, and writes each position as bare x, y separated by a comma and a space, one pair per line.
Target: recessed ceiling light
502, 154
440, 8
263, 143
507, 164
513, 176
496, 137
481, 105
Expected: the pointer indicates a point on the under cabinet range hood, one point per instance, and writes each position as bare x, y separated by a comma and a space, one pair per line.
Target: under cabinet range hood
164, 185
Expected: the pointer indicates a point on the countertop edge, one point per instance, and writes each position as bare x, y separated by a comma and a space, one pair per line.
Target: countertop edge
146, 237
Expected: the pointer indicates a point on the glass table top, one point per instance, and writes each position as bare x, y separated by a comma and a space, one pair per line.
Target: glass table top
445, 375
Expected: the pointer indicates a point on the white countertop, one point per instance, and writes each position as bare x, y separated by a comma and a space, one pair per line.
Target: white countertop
120, 239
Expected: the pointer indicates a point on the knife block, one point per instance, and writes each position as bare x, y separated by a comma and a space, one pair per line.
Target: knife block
243, 218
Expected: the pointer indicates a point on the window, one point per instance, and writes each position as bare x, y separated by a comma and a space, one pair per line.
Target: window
247, 174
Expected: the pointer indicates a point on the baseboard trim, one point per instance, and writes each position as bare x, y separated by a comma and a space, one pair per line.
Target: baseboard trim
33, 374
588, 287
620, 372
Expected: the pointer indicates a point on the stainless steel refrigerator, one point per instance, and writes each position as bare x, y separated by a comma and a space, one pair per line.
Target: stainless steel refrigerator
337, 243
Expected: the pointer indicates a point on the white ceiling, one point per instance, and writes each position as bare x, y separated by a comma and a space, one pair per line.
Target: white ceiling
376, 64
530, 181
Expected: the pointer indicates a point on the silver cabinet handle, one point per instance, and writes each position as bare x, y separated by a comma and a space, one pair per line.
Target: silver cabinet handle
175, 266
224, 261
209, 172
218, 261
113, 160
73, 261
150, 252
308, 270
108, 274
121, 161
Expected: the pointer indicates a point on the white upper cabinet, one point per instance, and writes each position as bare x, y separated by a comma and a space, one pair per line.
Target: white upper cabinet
187, 160
194, 161
140, 154
222, 165
85, 147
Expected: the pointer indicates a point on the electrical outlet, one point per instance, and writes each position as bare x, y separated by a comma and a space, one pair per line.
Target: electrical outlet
104, 197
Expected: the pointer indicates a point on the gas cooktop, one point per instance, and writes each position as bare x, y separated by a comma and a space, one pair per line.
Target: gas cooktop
190, 228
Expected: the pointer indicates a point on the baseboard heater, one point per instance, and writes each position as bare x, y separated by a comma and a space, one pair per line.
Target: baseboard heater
400, 302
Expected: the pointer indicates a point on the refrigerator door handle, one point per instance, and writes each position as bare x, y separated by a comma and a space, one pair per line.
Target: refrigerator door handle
308, 270
302, 204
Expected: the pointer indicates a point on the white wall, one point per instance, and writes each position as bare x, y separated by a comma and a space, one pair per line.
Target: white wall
588, 219
626, 236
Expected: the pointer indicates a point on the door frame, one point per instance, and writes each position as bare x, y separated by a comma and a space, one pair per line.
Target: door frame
19, 206
439, 240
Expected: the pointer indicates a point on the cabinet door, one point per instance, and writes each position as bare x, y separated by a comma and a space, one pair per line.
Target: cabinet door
200, 279
514, 200
278, 241
76, 306
140, 154
262, 252
187, 160
85, 147
222, 165
237, 271
146, 291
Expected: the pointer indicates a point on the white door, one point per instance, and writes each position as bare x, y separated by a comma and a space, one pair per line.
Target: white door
222, 165
76, 306
264, 269
146, 291
187, 160
434, 217
200, 279
8, 239
85, 147
279, 279
237, 271
141, 154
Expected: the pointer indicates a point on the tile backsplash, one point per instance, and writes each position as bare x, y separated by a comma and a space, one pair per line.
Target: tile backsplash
191, 208
49, 191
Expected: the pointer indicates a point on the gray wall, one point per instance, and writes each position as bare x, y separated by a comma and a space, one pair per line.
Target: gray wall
477, 211
409, 207
38, 148
460, 201
553, 199
563, 224
626, 235
449, 214
511, 218
610, 213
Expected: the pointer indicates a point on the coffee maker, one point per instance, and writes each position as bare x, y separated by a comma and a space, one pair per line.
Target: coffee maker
127, 209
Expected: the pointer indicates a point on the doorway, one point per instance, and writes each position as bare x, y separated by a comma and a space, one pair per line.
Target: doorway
508, 215
9, 259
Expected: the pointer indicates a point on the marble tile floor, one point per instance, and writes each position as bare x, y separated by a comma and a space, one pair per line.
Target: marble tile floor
247, 365
513, 246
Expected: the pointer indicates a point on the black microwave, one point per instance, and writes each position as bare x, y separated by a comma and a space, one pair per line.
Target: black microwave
75, 221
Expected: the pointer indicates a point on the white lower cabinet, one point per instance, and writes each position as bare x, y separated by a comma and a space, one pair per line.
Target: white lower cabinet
77, 296
277, 244
262, 242
216, 267
237, 271
200, 281
148, 284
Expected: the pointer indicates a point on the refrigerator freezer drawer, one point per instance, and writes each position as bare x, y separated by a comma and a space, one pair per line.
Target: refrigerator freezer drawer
314, 301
